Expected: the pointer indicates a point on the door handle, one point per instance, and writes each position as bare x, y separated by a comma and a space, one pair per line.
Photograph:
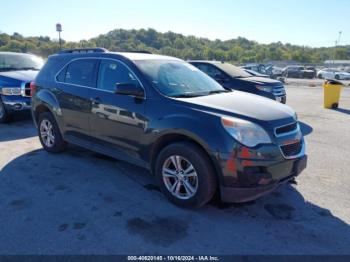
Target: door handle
95, 101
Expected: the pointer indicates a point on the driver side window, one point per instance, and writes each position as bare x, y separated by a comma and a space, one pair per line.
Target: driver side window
112, 73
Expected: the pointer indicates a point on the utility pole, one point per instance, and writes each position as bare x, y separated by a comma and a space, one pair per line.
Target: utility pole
339, 37
59, 30
337, 42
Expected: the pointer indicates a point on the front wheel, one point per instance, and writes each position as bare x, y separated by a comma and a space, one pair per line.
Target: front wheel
4, 117
185, 175
49, 134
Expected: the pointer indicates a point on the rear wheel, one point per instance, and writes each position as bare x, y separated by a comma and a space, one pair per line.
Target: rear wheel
49, 134
4, 117
185, 175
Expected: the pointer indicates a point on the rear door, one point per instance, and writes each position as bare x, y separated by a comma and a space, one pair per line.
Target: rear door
75, 82
117, 121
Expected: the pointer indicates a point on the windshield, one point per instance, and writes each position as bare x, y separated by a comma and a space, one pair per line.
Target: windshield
178, 79
11, 62
233, 71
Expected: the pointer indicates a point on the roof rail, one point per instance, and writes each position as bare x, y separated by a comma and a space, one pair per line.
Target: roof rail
83, 51
140, 52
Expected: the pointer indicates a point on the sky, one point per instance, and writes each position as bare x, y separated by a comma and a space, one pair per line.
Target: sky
303, 22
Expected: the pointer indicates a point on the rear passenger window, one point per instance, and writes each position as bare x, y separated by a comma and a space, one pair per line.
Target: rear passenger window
81, 72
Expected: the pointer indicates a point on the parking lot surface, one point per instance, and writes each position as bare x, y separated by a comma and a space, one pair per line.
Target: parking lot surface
80, 202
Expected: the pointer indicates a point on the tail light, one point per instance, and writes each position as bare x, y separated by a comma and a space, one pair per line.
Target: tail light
32, 89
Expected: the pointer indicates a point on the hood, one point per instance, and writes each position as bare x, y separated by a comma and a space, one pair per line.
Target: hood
262, 81
245, 105
24, 76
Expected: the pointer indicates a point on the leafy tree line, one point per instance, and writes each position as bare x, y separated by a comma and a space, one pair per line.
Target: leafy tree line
238, 50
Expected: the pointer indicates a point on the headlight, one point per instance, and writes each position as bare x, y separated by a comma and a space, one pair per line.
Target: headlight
11, 91
245, 132
265, 88
295, 117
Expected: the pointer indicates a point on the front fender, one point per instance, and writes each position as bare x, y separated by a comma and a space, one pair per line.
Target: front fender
190, 126
207, 133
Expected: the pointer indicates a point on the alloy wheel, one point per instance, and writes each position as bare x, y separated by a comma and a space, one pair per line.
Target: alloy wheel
46, 133
180, 177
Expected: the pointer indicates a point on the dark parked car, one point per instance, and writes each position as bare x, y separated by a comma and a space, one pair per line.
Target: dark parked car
17, 70
299, 72
164, 114
234, 78
258, 68
253, 73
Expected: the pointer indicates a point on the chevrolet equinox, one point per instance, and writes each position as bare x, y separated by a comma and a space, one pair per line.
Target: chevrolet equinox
164, 114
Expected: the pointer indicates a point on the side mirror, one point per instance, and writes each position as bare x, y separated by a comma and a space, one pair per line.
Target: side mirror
129, 89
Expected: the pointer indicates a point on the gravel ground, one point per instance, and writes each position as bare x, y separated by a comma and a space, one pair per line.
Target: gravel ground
80, 202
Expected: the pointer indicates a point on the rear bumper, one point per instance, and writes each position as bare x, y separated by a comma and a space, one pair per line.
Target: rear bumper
16, 103
263, 183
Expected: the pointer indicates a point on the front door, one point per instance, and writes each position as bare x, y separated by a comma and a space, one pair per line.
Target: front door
117, 121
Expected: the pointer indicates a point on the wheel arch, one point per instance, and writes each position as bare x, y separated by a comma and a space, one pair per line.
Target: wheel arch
45, 101
171, 138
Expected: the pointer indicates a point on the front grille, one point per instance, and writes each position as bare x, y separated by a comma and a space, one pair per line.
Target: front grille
26, 90
286, 129
291, 150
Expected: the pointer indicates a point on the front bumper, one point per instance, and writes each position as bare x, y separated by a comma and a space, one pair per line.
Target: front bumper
264, 182
281, 99
278, 95
16, 103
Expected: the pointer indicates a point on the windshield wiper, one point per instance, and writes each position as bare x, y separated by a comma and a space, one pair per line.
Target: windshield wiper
28, 68
17, 69
8, 69
218, 92
188, 95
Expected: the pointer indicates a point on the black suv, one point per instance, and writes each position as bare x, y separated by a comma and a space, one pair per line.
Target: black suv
233, 77
164, 114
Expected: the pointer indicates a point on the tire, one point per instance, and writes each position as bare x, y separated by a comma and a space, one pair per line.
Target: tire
53, 141
4, 116
320, 76
201, 178
337, 77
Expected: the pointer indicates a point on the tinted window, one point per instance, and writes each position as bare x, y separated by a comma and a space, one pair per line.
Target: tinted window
81, 72
210, 70
112, 73
62, 76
